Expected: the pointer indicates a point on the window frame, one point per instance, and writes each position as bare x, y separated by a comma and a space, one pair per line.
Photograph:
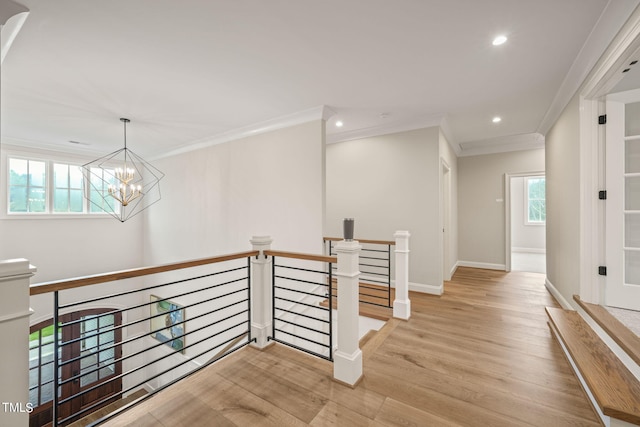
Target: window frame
527, 200
28, 186
49, 159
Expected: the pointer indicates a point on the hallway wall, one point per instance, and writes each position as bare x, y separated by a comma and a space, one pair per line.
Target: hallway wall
481, 204
389, 183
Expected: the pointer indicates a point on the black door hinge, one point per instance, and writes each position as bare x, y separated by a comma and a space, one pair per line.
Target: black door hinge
602, 194
602, 270
602, 120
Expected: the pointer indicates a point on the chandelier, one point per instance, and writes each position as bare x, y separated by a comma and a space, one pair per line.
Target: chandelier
122, 184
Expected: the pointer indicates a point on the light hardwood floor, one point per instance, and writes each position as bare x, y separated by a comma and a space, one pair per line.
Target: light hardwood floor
480, 355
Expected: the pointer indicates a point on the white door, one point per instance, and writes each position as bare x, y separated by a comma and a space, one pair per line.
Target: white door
623, 200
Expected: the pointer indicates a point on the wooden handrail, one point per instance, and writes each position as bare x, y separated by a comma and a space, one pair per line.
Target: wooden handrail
60, 285
373, 242
307, 257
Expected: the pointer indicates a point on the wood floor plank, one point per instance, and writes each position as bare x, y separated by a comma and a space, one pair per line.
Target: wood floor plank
394, 413
334, 414
290, 396
239, 406
360, 400
480, 354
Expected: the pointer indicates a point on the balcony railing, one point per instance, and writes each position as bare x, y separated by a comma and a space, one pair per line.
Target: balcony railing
375, 269
171, 328
176, 318
300, 286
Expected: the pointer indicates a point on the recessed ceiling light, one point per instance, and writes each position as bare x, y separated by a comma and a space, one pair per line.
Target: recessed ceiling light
339, 123
496, 119
499, 40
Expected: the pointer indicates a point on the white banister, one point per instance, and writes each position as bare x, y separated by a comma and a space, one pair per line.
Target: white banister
347, 359
15, 277
261, 312
402, 304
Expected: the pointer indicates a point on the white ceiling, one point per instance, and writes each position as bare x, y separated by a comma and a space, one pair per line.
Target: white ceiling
186, 72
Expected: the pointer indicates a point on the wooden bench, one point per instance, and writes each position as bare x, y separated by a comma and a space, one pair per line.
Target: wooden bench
615, 389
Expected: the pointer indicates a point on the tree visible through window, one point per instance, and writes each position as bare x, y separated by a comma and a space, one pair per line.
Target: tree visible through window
68, 192
27, 186
536, 202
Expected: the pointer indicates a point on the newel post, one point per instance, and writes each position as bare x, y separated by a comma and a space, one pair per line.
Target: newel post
347, 359
15, 277
402, 304
261, 292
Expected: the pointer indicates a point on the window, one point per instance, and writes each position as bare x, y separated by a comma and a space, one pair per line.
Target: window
27, 186
68, 188
41, 365
37, 186
536, 204
101, 179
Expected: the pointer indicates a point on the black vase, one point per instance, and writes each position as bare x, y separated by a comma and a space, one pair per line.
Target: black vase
348, 225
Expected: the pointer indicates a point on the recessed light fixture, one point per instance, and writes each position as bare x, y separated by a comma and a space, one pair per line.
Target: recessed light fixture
496, 119
339, 124
499, 40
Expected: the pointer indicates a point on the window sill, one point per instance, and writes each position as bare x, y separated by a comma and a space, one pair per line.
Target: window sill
41, 216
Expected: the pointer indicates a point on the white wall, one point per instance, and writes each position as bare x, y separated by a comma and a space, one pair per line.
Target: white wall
524, 237
214, 199
563, 201
389, 183
481, 210
60, 246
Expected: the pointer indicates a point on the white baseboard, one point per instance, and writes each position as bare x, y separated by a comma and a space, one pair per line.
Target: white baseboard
426, 289
453, 269
423, 288
529, 250
484, 265
557, 295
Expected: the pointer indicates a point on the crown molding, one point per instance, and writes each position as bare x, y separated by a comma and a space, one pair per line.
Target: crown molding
502, 144
618, 22
446, 131
10, 30
16, 144
385, 129
321, 112
8, 9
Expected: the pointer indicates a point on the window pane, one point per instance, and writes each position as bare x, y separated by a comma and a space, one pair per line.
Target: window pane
106, 338
76, 180
536, 205
61, 200
37, 202
632, 193
46, 393
106, 321
36, 173
33, 397
18, 171
33, 377
61, 175
17, 199
76, 201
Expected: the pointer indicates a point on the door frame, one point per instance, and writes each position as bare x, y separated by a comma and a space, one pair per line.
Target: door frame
606, 73
445, 215
507, 212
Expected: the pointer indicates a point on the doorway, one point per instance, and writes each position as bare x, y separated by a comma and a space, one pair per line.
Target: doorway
89, 362
446, 219
525, 222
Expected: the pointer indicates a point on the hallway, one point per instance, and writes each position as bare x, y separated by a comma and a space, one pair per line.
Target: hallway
481, 354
